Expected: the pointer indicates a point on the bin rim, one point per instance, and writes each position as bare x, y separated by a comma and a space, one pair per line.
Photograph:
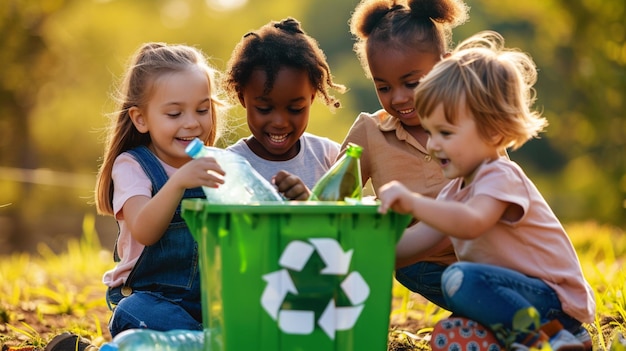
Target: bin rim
281, 207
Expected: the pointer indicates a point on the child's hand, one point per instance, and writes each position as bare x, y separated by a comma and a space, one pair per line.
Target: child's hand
397, 197
291, 186
203, 171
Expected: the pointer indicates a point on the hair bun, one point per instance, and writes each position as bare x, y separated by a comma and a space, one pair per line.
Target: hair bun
289, 25
451, 12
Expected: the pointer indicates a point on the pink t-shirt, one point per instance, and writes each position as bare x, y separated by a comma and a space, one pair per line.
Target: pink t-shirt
535, 245
129, 180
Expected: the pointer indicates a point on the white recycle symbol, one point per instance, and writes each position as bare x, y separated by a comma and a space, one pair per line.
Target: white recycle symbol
279, 284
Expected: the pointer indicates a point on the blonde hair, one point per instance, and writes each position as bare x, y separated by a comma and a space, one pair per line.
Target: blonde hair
496, 84
421, 25
150, 62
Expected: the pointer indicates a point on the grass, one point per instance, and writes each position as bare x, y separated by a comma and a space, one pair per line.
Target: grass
47, 293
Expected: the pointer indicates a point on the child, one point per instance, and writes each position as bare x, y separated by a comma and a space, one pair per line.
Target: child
275, 73
514, 255
397, 45
168, 98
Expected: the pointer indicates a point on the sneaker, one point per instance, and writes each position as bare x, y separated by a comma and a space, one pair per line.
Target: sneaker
69, 342
534, 341
563, 340
553, 334
583, 336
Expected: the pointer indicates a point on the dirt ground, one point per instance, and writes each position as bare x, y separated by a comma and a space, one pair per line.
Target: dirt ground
402, 334
46, 327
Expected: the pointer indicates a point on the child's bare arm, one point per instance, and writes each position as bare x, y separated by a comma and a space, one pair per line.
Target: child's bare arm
147, 218
461, 220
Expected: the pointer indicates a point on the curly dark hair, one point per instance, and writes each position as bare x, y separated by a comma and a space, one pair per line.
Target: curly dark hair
273, 46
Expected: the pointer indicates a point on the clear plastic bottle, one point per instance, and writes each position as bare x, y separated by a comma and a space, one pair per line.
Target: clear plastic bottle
242, 184
152, 340
342, 182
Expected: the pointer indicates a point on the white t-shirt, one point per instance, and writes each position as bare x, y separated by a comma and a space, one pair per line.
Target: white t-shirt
316, 156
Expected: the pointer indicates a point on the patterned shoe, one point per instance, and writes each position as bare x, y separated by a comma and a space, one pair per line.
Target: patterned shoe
462, 334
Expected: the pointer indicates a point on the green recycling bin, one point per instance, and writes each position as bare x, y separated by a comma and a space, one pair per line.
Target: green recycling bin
295, 276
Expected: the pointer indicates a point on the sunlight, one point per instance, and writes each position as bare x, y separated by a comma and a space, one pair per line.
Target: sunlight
226, 5
175, 13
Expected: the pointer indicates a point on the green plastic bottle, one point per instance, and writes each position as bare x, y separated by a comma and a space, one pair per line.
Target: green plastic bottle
343, 180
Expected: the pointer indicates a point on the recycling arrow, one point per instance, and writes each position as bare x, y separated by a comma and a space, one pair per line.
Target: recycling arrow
279, 284
337, 262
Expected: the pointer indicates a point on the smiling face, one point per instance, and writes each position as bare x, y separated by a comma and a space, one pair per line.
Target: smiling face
396, 74
179, 109
277, 119
457, 147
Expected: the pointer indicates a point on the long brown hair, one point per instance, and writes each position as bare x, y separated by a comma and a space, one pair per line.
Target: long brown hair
146, 65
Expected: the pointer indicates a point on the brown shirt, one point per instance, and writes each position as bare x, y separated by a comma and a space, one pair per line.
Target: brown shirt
391, 153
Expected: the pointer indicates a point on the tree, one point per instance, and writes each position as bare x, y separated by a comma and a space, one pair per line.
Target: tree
26, 63
580, 50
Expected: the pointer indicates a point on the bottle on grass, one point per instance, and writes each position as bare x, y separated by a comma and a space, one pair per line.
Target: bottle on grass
152, 340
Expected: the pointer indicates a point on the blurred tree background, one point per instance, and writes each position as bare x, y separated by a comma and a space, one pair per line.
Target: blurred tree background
61, 60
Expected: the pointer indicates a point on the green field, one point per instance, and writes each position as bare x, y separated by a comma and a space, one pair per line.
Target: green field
47, 293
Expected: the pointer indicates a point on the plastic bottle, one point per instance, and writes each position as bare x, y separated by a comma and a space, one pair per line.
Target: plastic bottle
152, 340
242, 184
342, 182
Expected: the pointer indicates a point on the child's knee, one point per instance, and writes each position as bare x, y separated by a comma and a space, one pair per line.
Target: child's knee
451, 280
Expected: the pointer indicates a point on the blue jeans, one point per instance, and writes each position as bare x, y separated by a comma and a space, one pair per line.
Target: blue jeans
491, 295
145, 309
424, 278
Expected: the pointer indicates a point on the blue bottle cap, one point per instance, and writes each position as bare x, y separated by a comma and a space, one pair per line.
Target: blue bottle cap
194, 147
109, 347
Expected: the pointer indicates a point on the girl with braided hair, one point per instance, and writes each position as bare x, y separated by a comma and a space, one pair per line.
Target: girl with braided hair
397, 43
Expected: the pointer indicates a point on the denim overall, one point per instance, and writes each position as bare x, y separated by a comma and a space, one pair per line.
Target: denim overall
165, 275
